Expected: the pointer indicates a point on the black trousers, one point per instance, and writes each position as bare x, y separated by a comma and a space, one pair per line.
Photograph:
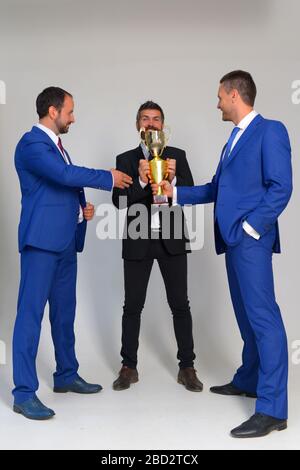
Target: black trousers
136, 278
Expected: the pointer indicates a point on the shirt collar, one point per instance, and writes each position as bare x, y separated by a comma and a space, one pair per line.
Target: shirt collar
145, 149
49, 132
247, 120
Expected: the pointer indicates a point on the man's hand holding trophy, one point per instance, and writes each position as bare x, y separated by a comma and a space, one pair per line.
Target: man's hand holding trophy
165, 187
157, 169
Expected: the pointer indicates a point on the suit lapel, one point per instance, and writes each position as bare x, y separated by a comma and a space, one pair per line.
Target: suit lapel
139, 153
68, 157
243, 139
47, 139
164, 155
218, 172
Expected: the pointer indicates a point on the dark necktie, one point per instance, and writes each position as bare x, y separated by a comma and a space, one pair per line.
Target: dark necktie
60, 145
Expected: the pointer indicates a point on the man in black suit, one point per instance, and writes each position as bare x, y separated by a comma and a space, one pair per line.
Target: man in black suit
140, 253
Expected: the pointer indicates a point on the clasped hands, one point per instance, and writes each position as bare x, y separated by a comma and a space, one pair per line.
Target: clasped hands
122, 181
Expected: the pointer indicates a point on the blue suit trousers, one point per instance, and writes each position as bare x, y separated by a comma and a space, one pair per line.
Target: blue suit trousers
45, 277
264, 367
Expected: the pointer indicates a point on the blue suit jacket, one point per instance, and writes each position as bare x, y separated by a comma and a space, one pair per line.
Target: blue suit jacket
253, 184
51, 194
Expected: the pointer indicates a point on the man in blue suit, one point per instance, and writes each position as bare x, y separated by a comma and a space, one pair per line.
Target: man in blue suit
251, 187
51, 230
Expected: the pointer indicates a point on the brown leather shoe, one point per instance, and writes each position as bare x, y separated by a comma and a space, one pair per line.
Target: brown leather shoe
189, 379
127, 376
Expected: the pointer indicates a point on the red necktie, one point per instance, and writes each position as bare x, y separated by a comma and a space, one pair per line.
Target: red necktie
60, 145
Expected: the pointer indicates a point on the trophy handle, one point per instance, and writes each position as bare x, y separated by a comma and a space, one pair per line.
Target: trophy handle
142, 134
166, 173
167, 132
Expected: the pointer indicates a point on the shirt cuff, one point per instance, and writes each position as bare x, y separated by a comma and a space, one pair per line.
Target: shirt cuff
250, 230
113, 182
174, 181
80, 215
142, 183
174, 199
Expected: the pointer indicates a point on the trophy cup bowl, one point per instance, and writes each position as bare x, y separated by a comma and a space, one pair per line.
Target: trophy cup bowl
156, 141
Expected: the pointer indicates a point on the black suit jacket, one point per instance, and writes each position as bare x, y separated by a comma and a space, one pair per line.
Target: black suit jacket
128, 162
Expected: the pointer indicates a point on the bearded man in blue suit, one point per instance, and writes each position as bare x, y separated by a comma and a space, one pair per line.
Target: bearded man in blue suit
251, 187
52, 229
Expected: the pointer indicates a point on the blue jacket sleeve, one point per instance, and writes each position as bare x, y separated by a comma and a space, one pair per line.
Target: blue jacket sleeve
277, 177
40, 159
196, 194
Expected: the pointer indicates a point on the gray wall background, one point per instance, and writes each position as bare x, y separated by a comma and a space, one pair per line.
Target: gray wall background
112, 56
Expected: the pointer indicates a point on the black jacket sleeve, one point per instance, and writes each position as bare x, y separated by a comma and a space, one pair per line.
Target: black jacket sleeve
135, 193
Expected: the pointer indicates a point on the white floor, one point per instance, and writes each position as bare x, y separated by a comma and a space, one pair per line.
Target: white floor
157, 413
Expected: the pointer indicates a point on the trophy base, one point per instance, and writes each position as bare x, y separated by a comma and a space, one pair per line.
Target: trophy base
159, 200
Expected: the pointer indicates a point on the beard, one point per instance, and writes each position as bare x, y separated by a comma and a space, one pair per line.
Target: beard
61, 127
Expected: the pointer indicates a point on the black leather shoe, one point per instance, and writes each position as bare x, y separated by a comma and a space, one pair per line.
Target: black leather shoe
230, 389
259, 425
79, 386
127, 376
187, 377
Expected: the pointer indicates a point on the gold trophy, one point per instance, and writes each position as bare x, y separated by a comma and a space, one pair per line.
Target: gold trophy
156, 141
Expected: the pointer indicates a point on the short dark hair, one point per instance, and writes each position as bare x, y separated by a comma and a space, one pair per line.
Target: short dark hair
51, 96
243, 83
149, 105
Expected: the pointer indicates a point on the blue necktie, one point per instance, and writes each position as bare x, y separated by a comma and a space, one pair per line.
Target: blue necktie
234, 132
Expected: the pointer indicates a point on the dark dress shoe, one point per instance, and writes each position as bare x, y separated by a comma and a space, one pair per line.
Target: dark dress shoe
259, 425
230, 389
33, 409
127, 376
78, 386
187, 377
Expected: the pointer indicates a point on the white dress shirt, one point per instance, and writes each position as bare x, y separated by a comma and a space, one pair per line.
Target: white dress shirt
243, 124
55, 139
